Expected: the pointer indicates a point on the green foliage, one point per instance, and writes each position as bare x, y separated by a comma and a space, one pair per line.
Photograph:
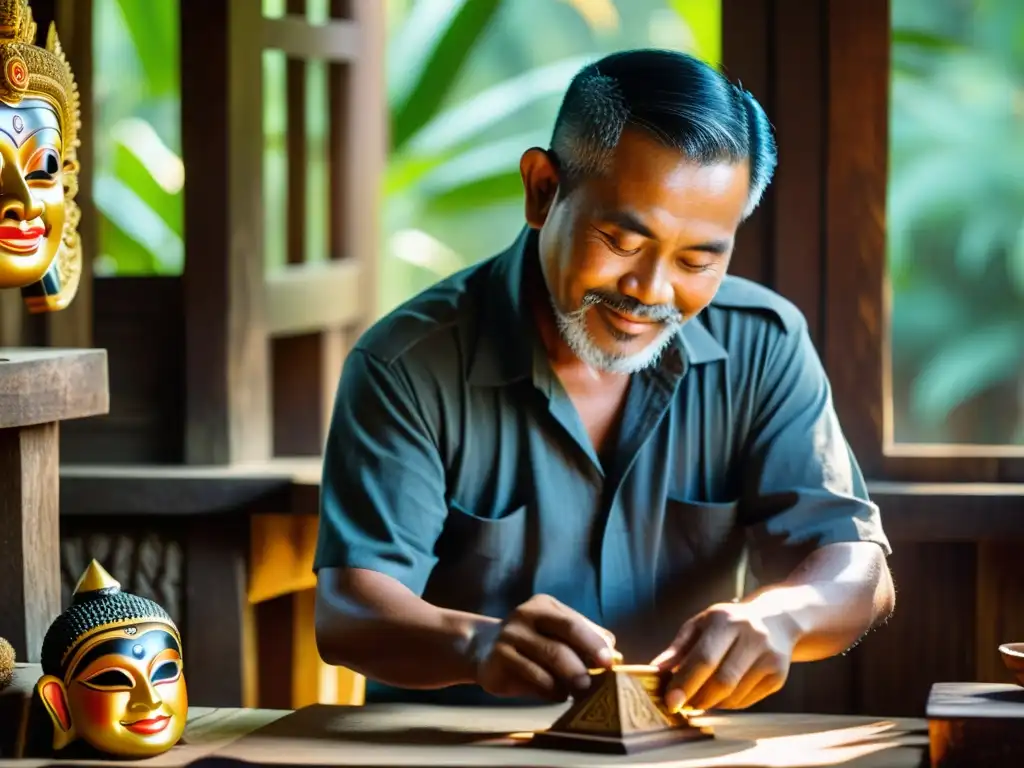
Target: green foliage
472, 84
434, 44
138, 173
954, 221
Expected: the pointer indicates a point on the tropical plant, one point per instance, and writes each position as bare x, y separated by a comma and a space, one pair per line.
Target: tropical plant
139, 174
955, 224
471, 84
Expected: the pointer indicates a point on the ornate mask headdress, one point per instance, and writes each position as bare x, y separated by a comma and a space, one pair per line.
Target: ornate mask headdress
40, 250
112, 672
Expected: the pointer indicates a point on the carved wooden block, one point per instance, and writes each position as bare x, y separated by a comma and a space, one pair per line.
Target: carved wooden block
621, 713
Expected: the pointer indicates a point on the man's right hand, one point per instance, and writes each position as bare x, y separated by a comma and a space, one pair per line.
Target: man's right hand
543, 649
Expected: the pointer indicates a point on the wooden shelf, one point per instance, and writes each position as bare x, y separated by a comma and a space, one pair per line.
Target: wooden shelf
919, 512
279, 486
41, 386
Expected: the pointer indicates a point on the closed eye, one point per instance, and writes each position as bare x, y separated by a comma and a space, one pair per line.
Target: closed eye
110, 680
691, 267
166, 672
614, 245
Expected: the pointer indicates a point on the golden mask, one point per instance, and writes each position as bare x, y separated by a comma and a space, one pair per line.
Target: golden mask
113, 677
40, 251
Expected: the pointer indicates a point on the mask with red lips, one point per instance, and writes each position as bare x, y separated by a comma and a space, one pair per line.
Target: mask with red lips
113, 674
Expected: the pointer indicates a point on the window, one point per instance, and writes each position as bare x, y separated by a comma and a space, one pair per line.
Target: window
138, 173
955, 224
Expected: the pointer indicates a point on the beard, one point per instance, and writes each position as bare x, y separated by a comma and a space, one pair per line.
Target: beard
573, 328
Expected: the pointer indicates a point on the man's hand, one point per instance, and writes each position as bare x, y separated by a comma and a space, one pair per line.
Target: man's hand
542, 649
729, 656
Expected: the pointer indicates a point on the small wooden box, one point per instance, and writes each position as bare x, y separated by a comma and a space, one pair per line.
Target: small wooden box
976, 724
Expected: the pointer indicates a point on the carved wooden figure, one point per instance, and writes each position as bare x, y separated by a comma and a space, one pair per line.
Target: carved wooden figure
621, 713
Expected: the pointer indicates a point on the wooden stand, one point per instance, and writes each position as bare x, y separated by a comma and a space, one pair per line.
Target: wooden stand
622, 713
976, 724
38, 389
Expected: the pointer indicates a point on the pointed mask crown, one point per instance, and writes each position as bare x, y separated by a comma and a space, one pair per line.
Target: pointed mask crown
98, 605
28, 71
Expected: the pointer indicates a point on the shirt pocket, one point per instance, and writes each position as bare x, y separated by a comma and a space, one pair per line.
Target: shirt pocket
696, 532
481, 561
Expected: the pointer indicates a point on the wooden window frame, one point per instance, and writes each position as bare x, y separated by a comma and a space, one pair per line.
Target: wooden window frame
822, 70
857, 290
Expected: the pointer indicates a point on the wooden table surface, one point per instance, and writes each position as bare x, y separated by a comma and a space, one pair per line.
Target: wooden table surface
406, 735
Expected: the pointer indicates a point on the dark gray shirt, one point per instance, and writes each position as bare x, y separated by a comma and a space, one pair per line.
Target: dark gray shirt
457, 464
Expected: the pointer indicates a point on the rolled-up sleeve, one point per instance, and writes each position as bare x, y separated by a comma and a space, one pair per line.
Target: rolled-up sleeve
802, 486
382, 502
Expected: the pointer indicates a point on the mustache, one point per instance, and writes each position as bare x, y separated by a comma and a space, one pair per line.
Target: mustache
659, 313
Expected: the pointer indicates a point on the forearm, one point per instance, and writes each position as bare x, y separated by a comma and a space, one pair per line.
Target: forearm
831, 600
373, 625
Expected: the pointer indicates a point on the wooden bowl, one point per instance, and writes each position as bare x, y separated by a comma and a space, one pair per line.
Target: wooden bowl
1013, 658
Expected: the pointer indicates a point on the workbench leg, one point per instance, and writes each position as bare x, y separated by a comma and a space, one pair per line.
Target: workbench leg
29, 536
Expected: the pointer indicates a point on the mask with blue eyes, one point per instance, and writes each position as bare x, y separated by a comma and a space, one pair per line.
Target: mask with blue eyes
40, 249
113, 678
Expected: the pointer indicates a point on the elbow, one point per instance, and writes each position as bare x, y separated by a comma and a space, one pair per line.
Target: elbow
332, 632
885, 595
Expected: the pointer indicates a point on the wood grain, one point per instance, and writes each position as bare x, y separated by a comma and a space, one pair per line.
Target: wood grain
30, 536
798, 114
43, 385
929, 638
138, 320
227, 360
746, 56
1000, 606
219, 634
73, 327
445, 736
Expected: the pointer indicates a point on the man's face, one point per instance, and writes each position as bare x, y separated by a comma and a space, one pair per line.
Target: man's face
631, 254
31, 191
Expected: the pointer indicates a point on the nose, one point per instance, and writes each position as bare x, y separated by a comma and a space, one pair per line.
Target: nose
647, 282
16, 199
144, 698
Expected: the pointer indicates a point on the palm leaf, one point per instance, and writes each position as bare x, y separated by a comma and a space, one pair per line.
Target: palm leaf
491, 106
153, 28
435, 43
966, 368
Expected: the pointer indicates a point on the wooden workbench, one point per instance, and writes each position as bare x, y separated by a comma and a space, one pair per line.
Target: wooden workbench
406, 735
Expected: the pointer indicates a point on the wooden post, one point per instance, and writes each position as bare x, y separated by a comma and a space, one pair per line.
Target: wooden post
38, 389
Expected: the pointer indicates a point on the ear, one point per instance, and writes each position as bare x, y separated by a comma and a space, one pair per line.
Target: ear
540, 183
55, 698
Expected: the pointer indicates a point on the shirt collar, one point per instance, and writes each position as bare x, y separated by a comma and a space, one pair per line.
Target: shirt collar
507, 341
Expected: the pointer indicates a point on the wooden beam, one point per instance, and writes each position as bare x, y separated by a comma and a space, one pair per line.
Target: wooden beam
220, 629
747, 57
38, 386
336, 40
304, 298
298, 146
30, 532
187, 491
227, 356
38, 389
363, 152
306, 373
73, 327
798, 113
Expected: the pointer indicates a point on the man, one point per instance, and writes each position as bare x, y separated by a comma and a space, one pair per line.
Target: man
584, 443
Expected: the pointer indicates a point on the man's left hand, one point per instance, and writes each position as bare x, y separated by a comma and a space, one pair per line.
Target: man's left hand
729, 656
